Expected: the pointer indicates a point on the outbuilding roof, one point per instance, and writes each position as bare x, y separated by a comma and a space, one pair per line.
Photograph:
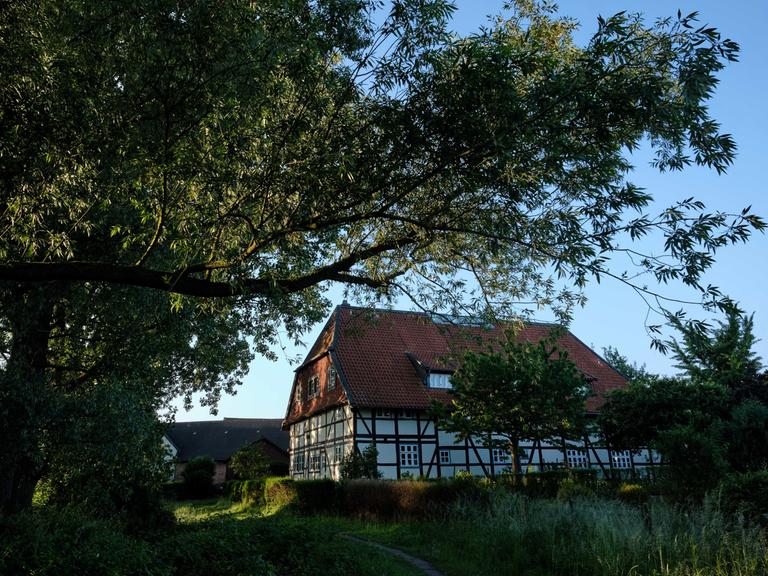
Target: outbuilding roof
220, 439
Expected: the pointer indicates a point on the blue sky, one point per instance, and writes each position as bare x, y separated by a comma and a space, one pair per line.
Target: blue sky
614, 315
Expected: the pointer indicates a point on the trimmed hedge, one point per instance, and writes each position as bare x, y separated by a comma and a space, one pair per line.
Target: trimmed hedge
247, 491
279, 492
547, 484
403, 499
418, 499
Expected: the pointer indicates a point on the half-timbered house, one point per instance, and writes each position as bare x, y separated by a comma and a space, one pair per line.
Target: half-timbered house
372, 376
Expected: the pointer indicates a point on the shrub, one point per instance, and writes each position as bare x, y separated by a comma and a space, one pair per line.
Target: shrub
173, 490
570, 489
694, 462
547, 484
250, 463
368, 499
316, 497
356, 465
746, 493
65, 541
246, 491
632, 493
198, 477
279, 492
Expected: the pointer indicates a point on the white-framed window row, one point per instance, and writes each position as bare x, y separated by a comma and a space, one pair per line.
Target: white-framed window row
331, 378
314, 462
313, 386
445, 456
298, 462
409, 455
621, 459
577, 458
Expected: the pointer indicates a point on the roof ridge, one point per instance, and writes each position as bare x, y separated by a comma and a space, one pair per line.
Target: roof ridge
430, 315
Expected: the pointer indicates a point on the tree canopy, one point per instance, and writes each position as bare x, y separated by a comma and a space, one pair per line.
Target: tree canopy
524, 391
224, 161
260, 149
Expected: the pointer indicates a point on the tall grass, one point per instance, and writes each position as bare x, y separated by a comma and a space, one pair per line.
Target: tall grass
521, 536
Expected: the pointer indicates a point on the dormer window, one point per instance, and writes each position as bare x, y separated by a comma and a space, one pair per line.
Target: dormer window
313, 387
331, 378
440, 380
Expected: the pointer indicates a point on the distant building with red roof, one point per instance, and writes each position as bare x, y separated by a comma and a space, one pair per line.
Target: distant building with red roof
372, 376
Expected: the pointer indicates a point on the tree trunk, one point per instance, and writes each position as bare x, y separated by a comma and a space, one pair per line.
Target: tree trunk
514, 451
24, 395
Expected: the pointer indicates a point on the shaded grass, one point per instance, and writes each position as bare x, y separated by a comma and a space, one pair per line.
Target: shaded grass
518, 536
294, 545
514, 535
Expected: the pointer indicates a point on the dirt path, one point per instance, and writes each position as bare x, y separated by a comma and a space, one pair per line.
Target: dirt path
422, 565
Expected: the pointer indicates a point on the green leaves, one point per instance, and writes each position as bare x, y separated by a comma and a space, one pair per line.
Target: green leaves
525, 390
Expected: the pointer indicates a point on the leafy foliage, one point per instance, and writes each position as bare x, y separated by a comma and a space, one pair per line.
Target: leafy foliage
526, 390
630, 370
635, 416
361, 464
198, 477
250, 462
722, 356
694, 461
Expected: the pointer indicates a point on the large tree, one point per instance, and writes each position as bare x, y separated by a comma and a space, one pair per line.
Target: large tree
252, 152
522, 391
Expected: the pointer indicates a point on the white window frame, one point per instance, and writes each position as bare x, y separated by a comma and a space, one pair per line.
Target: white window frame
577, 458
338, 453
331, 378
409, 455
500, 456
440, 380
621, 459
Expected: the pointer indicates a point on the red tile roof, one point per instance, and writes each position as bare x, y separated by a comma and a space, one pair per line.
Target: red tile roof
371, 349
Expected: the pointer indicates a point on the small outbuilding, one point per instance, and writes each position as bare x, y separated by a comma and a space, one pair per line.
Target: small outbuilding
221, 439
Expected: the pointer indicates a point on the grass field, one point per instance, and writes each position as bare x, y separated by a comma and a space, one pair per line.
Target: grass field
523, 537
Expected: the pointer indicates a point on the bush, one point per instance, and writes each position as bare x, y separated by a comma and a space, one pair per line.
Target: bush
198, 478
413, 499
246, 491
316, 497
64, 542
547, 484
632, 493
356, 465
173, 490
694, 462
570, 490
369, 499
747, 494
279, 492
250, 463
